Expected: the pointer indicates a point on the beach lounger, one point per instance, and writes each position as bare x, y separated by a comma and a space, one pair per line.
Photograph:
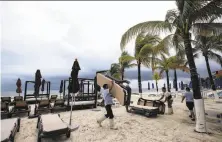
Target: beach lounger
6, 100
43, 105
4, 110
58, 104
144, 110
53, 98
152, 103
9, 127
51, 125
20, 106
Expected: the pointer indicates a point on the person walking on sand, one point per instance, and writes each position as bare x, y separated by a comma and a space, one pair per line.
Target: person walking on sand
168, 99
189, 102
108, 101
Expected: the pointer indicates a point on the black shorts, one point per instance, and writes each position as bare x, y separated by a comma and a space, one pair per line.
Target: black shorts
190, 105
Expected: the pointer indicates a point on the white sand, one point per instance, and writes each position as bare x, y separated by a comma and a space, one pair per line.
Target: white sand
132, 128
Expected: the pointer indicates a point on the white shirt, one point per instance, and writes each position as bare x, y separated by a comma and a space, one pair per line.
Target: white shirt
108, 100
188, 96
167, 94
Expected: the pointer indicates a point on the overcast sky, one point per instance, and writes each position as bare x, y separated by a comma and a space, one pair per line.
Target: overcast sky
50, 35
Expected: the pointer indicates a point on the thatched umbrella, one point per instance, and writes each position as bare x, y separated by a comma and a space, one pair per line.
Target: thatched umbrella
148, 86
61, 88
19, 86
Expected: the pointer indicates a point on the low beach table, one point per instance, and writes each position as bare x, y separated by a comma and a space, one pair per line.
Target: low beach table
9, 127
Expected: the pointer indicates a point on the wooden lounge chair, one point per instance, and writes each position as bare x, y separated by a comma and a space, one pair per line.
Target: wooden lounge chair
4, 110
58, 104
9, 127
51, 125
6, 100
53, 98
145, 107
43, 105
21, 106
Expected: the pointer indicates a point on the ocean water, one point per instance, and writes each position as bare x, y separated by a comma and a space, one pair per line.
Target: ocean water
56, 92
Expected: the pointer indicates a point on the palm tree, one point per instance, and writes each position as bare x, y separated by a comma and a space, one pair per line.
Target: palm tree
179, 62
209, 45
115, 71
125, 61
189, 15
156, 77
166, 64
147, 48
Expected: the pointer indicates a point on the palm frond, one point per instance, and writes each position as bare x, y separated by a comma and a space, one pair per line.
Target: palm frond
216, 57
206, 12
126, 58
207, 28
149, 27
180, 5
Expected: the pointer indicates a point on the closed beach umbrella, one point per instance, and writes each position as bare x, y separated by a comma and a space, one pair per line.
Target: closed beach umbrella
182, 86
61, 88
152, 85
43, 86
179, 85
19, 86
38, 77
148, 86
74, 86
164, 85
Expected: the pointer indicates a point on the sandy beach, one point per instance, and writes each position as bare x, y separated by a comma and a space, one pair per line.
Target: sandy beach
131, 127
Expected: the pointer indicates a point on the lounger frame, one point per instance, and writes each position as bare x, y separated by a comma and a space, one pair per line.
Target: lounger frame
39, 107
59, 104
42, 134
21, 109
13, 132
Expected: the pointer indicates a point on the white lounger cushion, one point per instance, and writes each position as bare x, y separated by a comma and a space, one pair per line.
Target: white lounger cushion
144, 107
52, 122
33, 99
7, 125
80, 103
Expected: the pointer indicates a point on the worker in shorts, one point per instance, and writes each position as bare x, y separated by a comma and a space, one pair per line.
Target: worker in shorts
189, 102
108, 101
169, 99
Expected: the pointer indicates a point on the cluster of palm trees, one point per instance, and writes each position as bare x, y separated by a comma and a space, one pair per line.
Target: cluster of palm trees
194, 28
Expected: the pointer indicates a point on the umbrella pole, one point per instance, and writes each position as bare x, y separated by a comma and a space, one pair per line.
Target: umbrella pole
72, 128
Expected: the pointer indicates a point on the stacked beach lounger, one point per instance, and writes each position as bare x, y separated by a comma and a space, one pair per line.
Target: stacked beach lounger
9, 127
50, 125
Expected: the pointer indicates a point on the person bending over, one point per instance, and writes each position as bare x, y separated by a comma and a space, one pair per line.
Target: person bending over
168, 99
189, 102
108, 101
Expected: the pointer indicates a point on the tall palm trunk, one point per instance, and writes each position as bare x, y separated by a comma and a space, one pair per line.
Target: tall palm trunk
123, 73
192, 65
209, 73
139, 76
175, 79
168, 81
156, 86
198, 101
